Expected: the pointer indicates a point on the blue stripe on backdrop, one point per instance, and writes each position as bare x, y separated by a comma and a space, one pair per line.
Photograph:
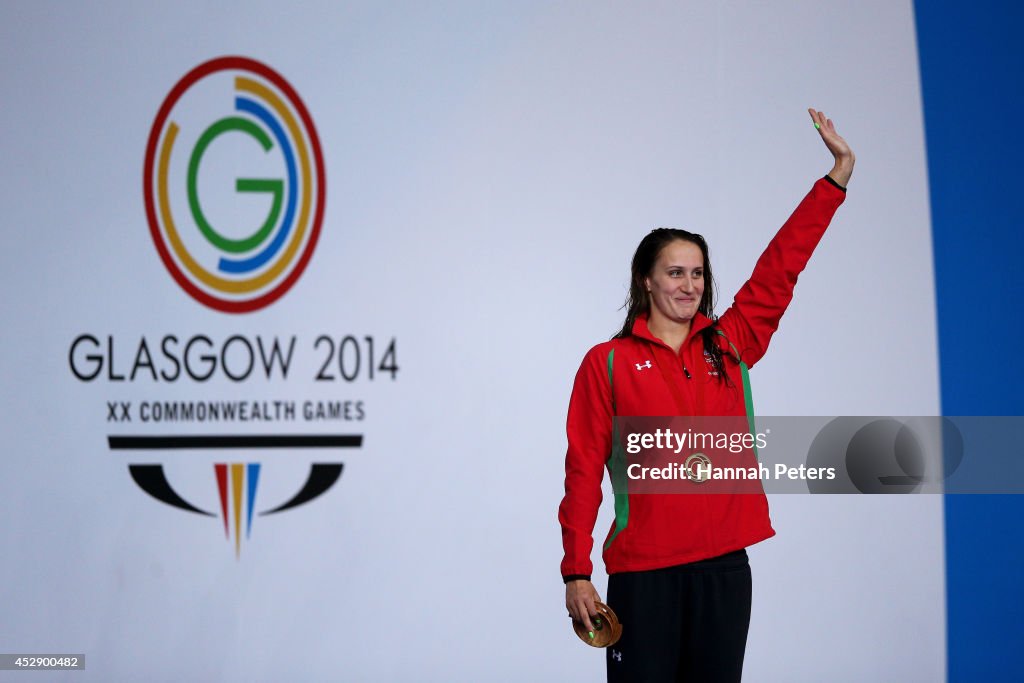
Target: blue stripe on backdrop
972, 61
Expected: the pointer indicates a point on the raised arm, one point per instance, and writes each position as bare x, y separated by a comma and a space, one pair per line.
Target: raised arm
754, 316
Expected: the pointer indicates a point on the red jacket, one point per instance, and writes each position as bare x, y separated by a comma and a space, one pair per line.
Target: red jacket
661, 530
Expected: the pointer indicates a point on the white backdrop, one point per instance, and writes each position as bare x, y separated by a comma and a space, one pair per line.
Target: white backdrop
490, 169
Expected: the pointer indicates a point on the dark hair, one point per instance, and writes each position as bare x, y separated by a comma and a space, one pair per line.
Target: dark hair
638, 301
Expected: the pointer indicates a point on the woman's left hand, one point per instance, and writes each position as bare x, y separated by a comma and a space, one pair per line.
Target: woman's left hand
839, 148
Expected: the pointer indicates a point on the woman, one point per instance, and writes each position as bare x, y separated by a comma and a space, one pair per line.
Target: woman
678, 573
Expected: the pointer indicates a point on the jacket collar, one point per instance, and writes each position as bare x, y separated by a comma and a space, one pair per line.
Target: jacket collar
641, 330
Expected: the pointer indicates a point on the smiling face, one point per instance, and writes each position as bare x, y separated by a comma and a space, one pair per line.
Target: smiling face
676, 283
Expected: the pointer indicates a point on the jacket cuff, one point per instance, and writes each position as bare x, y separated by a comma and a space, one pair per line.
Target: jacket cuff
576, 577
833, 182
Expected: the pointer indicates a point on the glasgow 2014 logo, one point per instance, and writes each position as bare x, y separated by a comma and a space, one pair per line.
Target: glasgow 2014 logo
234, 251
234, 191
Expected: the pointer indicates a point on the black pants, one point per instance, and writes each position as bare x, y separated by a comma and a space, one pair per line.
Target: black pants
682, 623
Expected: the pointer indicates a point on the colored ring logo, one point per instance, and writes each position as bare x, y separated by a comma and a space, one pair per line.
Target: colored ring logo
236, 252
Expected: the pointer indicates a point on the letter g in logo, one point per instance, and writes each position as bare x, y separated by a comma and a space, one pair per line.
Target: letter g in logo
236, 268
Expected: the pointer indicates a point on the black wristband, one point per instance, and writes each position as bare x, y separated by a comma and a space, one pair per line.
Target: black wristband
829, 179
576, 577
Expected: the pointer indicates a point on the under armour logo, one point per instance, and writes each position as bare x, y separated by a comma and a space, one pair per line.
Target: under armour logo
645, 365
616, 655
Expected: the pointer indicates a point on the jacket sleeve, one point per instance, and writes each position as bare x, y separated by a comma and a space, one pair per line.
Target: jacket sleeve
589, 430
755, 313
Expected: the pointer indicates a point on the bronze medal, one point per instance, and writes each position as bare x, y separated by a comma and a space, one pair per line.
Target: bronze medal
607, 629
698, 468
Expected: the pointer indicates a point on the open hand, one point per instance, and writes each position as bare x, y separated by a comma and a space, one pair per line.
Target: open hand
839, 148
